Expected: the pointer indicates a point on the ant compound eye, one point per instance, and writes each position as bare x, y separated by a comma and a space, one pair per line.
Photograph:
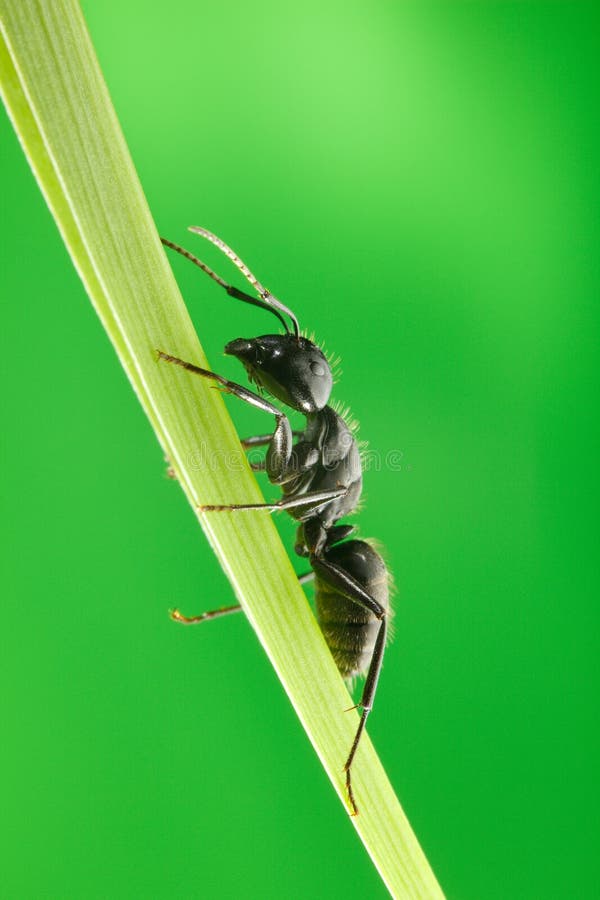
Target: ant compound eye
317, 369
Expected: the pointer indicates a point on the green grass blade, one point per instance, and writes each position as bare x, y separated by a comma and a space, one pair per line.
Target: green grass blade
58, 102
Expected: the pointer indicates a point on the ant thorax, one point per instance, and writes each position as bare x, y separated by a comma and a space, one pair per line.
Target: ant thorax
339, 464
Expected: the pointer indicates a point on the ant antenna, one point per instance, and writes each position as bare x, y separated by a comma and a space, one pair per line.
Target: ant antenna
232, 291
269, 299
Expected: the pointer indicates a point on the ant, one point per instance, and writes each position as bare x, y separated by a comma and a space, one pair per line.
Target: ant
321, 480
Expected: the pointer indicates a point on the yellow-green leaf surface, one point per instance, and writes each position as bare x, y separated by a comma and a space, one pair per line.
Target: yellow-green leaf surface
58, 102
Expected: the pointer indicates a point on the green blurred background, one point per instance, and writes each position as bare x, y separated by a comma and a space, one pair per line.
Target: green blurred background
419, 182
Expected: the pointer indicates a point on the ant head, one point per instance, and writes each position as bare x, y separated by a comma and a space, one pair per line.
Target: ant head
290, 368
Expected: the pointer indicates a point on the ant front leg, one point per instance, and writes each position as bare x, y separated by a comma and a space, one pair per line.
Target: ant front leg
260, 440
281, 466
280, 445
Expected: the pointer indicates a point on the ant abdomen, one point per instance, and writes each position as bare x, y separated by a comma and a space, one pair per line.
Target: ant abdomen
351, 630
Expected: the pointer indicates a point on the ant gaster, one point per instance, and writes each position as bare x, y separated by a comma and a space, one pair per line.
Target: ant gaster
321, 480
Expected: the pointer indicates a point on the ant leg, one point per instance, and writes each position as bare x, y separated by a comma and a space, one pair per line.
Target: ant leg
366, 704
260, 440
308, 576
225, 611
280, 464
283, 462
203, 617
260, 466
345, 584
337, 578
310, 501
228, 387
280, 449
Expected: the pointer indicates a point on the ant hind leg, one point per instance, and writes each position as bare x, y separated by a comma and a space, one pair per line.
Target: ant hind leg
224, 611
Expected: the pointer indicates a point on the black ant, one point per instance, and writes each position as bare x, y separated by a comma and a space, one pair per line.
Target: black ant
321, 480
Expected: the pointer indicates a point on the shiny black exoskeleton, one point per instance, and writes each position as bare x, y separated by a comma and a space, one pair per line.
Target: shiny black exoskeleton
320, 476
